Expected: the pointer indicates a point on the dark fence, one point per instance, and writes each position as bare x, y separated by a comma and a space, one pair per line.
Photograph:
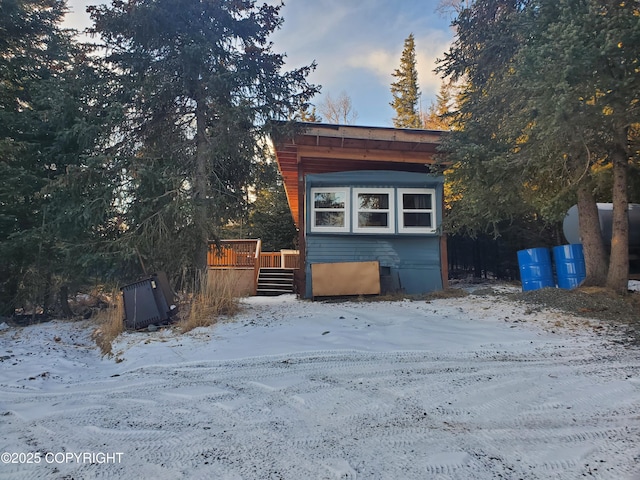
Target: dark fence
481, 257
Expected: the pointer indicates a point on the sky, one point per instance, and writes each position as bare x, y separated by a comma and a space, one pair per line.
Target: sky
356, 44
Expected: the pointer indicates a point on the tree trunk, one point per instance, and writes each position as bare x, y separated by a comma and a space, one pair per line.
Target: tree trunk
595, 257
46, 299
477, 260
200, 191
64, 302
618, 276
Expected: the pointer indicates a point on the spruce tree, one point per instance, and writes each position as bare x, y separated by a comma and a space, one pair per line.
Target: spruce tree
550, 91
201, 83
269, 216
48, 124
438, 115
405, 91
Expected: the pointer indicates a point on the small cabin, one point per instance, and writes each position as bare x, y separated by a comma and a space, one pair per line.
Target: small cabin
368, 209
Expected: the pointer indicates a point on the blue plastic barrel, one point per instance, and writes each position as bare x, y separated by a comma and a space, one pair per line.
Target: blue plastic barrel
570, 268
535, 269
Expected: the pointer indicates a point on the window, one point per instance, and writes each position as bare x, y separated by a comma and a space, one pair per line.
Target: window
417, 212
330, 210
373, 210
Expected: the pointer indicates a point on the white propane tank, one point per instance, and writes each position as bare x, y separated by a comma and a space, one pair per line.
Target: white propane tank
571, 227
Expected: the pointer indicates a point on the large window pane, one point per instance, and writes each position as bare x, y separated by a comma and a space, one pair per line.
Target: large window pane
373, 201
329, 219
370, 219
329, 199
417, 219
416, 201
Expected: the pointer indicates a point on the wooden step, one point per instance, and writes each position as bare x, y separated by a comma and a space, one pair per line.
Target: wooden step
275, 281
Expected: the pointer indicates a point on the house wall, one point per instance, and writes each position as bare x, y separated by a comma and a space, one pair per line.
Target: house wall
410, 263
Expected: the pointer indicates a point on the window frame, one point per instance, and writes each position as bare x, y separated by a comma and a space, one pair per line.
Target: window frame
346, 228
391, 210
404, 229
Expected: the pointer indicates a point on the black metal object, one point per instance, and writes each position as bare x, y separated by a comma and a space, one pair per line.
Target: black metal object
163, 282
145, 302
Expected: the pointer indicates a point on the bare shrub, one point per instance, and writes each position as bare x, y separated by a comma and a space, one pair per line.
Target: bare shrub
210, 300
110, 322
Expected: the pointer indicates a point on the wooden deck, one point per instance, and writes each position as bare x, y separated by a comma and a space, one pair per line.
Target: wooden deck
248, 255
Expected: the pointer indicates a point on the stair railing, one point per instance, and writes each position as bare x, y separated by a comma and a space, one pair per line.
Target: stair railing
256, 266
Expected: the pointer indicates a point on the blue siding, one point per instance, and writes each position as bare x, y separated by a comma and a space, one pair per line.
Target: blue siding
413, 262
409, 262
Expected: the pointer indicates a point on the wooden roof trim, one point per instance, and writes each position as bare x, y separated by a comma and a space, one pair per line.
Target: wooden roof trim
365, 155
318, 130
365, 144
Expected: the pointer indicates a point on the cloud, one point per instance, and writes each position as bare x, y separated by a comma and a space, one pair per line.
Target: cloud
379, 61
382, 62
429, 48
357, 44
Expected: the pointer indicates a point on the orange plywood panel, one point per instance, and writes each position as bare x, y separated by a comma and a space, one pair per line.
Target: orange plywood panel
345, 278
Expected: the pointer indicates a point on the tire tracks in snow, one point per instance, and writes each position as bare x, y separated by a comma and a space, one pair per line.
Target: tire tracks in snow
329, 414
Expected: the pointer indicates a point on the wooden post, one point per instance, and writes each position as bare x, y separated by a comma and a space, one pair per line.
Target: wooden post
300, 275
444, 263
256, 266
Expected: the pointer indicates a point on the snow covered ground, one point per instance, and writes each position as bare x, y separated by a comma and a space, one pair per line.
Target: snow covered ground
475, 387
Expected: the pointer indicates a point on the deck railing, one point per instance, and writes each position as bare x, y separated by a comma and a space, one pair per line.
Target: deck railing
281, 259
244, 253
247, 254
233, 254
270, 260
